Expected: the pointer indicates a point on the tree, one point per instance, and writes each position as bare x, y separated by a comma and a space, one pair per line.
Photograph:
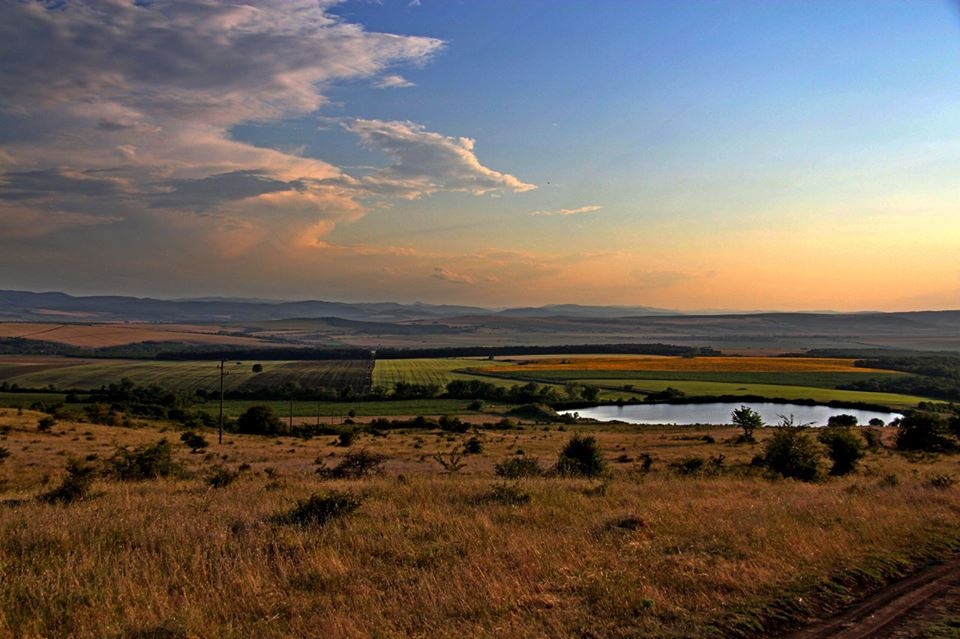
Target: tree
748, 420
925, 431
844, 446
842, 420
792, 452
261, 420
257, 368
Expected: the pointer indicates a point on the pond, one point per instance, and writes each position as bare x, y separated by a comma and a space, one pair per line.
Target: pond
719, 413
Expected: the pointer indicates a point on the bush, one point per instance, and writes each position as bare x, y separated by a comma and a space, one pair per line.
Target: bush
194, 441
689, 465
45, 424
517, 467
928, 432
792, 452
75, 487
4, 453
319, 509
345, 439
508, 494
844, 447
261, 420
842, 420
473, 446
581, 457
220, 477
354, 465
452, 424
143, 462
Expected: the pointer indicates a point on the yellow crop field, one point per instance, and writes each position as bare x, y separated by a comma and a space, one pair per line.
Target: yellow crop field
699, 364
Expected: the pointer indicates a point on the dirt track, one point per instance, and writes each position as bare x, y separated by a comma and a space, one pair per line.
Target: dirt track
903, 609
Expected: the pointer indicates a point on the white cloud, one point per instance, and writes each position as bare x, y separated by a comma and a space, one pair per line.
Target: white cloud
425, 162
446, 275
580, 211
393, 82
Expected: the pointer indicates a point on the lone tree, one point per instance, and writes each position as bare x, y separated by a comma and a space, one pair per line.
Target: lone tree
844, 446
581, 457
261, 420
748, 420
792, 452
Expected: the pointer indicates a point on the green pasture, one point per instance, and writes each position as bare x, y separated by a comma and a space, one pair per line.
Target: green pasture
189, 376
308, 410
434, 370
612, 389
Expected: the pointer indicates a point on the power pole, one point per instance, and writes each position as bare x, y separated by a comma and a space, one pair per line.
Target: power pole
220, 422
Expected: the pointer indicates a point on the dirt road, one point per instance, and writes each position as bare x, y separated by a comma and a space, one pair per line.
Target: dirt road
924, 605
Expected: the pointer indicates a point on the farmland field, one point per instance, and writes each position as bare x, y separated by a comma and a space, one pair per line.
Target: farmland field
187, 376
441, 371
97, 335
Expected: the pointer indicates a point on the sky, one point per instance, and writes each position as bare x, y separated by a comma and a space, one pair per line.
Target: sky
689, 155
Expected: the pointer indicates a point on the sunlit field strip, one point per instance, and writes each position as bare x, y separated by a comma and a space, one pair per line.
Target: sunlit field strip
706, 364
613, 389
387, 372
819, 379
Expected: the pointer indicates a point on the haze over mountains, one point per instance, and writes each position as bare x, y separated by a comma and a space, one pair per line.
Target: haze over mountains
321, 324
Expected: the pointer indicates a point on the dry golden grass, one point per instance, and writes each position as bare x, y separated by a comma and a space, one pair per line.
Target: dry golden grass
97, 335
700, 364
431, 554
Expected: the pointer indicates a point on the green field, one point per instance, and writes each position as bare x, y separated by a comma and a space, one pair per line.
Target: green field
440, 371
189, 376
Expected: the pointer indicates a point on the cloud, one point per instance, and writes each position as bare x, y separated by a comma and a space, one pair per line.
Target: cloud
19, 223
207, 192
443, 274
43, 183
425, 162
393, 82
580, 211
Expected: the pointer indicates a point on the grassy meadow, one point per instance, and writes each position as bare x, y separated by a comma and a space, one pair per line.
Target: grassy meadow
723, 551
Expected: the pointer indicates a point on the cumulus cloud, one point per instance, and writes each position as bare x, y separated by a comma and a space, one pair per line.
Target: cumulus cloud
425, 162
593, 208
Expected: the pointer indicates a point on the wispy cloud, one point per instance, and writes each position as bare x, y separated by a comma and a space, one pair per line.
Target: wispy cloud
446, 275
593, 208
393, 82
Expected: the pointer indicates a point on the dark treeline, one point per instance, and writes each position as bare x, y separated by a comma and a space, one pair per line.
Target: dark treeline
936, 376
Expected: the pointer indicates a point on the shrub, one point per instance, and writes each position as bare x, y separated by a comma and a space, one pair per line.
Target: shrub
517, 467
76, 485
792, 452
689, 465
872, 438
842, 420
354, 465
194, 441
220, 477
45, 424
452, 462
261, 420
4, 453
875, 421
143, 462
581, 457
319, 509
941, 481
345, 439
928, 432
508, 494
844, 447
452, 424
473, 446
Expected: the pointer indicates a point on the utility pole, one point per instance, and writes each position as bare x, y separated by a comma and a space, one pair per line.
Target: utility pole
220, 422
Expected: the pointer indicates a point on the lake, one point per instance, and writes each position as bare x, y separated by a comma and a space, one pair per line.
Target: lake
719, 413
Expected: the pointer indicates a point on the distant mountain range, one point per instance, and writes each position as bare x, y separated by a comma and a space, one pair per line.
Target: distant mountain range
53, 306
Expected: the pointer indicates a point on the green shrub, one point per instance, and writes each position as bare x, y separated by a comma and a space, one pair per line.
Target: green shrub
354, 465
473, 446
517, 467
791, 452
143, 462
318, 509
261, 420
844, 447
928, 432
220, 477
76, 485
581, 457
194, 441
508, 494
842, 420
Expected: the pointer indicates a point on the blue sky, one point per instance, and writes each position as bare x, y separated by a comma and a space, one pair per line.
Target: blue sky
689, 155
